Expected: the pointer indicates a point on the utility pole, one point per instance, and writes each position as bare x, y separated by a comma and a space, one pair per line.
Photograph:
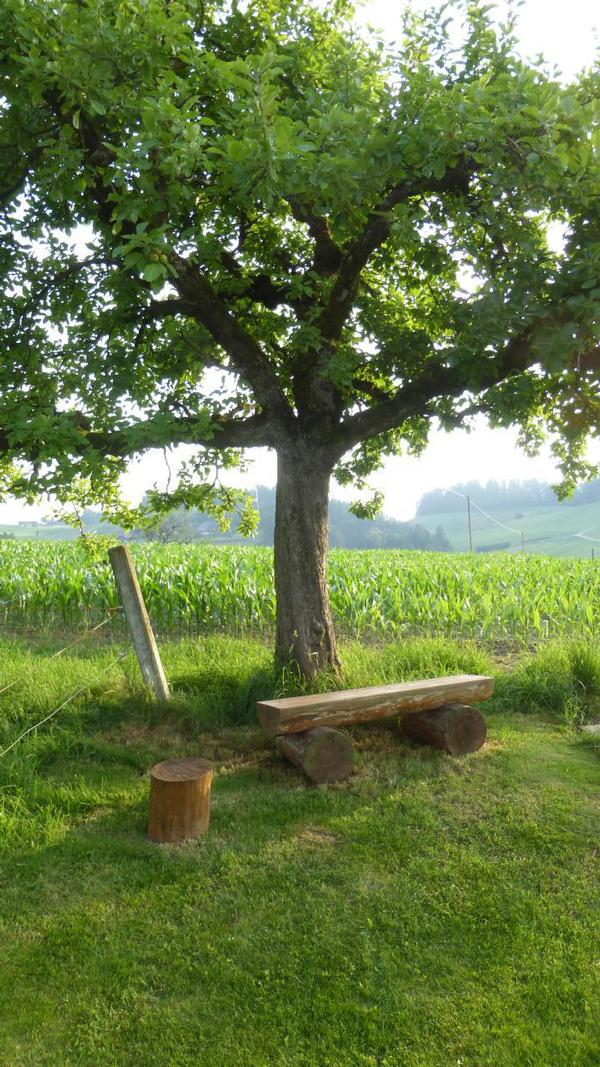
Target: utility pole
469, 520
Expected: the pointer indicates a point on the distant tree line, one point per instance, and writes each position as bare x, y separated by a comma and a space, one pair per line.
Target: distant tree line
498, 496
345, 529
348, 531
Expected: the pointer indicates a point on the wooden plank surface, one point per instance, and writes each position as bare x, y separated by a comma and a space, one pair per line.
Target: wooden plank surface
293, 714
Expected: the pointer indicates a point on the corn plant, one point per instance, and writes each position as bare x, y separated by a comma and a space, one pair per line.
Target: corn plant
381, 594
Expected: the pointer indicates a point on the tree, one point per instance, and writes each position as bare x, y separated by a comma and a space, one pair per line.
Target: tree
296, 238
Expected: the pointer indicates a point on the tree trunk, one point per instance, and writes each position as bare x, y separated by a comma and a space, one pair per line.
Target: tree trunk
305, 636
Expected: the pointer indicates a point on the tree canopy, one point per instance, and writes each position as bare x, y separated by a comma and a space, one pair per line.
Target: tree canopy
297, 237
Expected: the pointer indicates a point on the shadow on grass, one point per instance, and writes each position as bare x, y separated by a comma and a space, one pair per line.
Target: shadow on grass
96, 795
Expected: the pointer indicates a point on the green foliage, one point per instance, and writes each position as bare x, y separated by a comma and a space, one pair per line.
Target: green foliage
292, 232
368, 509
510, 599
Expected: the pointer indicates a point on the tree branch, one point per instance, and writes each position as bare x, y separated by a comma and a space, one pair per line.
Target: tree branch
438, 380
252, 432
328, 255
370, 389
375, 232
204, 304
260, 288
156, 311
244, 351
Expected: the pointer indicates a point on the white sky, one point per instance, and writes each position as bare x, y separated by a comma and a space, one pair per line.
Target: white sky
566, 34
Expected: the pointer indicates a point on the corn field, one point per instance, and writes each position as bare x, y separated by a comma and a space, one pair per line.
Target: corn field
381, 594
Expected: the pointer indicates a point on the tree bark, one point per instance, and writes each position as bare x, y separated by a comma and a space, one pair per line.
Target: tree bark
455, 728
179, 799
305, 636
323, 755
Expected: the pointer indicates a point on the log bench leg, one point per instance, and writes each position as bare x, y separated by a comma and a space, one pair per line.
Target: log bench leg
454, 728
322, 754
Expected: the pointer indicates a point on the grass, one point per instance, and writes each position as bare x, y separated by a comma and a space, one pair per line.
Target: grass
429, 912
551, 529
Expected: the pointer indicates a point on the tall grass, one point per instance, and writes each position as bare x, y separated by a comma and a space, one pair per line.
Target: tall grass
207, 588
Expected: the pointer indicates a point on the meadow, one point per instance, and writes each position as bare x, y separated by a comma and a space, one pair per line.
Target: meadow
427, 912
515, 599
554, 529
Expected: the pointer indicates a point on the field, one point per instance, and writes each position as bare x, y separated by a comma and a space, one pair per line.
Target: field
429, 912
552, 530
38, 532
512, 599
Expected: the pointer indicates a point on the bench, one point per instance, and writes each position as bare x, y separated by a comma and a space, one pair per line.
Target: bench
437, 712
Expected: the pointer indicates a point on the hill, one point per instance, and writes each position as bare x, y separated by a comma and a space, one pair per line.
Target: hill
345, 529
516, 511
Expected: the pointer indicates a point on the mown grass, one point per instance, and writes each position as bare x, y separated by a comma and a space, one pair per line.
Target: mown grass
428, 912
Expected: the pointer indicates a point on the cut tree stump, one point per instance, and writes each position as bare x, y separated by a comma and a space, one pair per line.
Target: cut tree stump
179, 799
322, 754
455, 728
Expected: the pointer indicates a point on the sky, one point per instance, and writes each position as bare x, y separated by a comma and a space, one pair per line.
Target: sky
567, 35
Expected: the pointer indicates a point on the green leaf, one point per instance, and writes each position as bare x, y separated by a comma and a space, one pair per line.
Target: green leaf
153, 271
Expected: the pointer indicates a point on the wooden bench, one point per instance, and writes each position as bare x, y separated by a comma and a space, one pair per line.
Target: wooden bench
436, 711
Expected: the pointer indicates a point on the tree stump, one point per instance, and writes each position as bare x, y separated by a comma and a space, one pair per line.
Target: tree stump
454, 728
179, 799
322, 754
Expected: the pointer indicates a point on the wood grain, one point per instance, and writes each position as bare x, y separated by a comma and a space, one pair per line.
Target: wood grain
322, 754
295, 714
179, 799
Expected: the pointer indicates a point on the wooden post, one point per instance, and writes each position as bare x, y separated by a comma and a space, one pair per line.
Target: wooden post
179, 799
138, 622
322, 754
455, 728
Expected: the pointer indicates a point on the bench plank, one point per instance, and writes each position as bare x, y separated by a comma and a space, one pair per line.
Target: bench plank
293, 714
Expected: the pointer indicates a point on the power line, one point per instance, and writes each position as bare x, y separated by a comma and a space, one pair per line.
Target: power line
490, 517
557, 537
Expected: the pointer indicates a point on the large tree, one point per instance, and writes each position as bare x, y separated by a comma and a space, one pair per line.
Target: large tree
296, 238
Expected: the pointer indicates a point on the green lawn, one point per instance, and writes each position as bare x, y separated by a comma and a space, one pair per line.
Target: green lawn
429, 912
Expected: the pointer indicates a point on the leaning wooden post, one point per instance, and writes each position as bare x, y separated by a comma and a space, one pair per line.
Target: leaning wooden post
138, 621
